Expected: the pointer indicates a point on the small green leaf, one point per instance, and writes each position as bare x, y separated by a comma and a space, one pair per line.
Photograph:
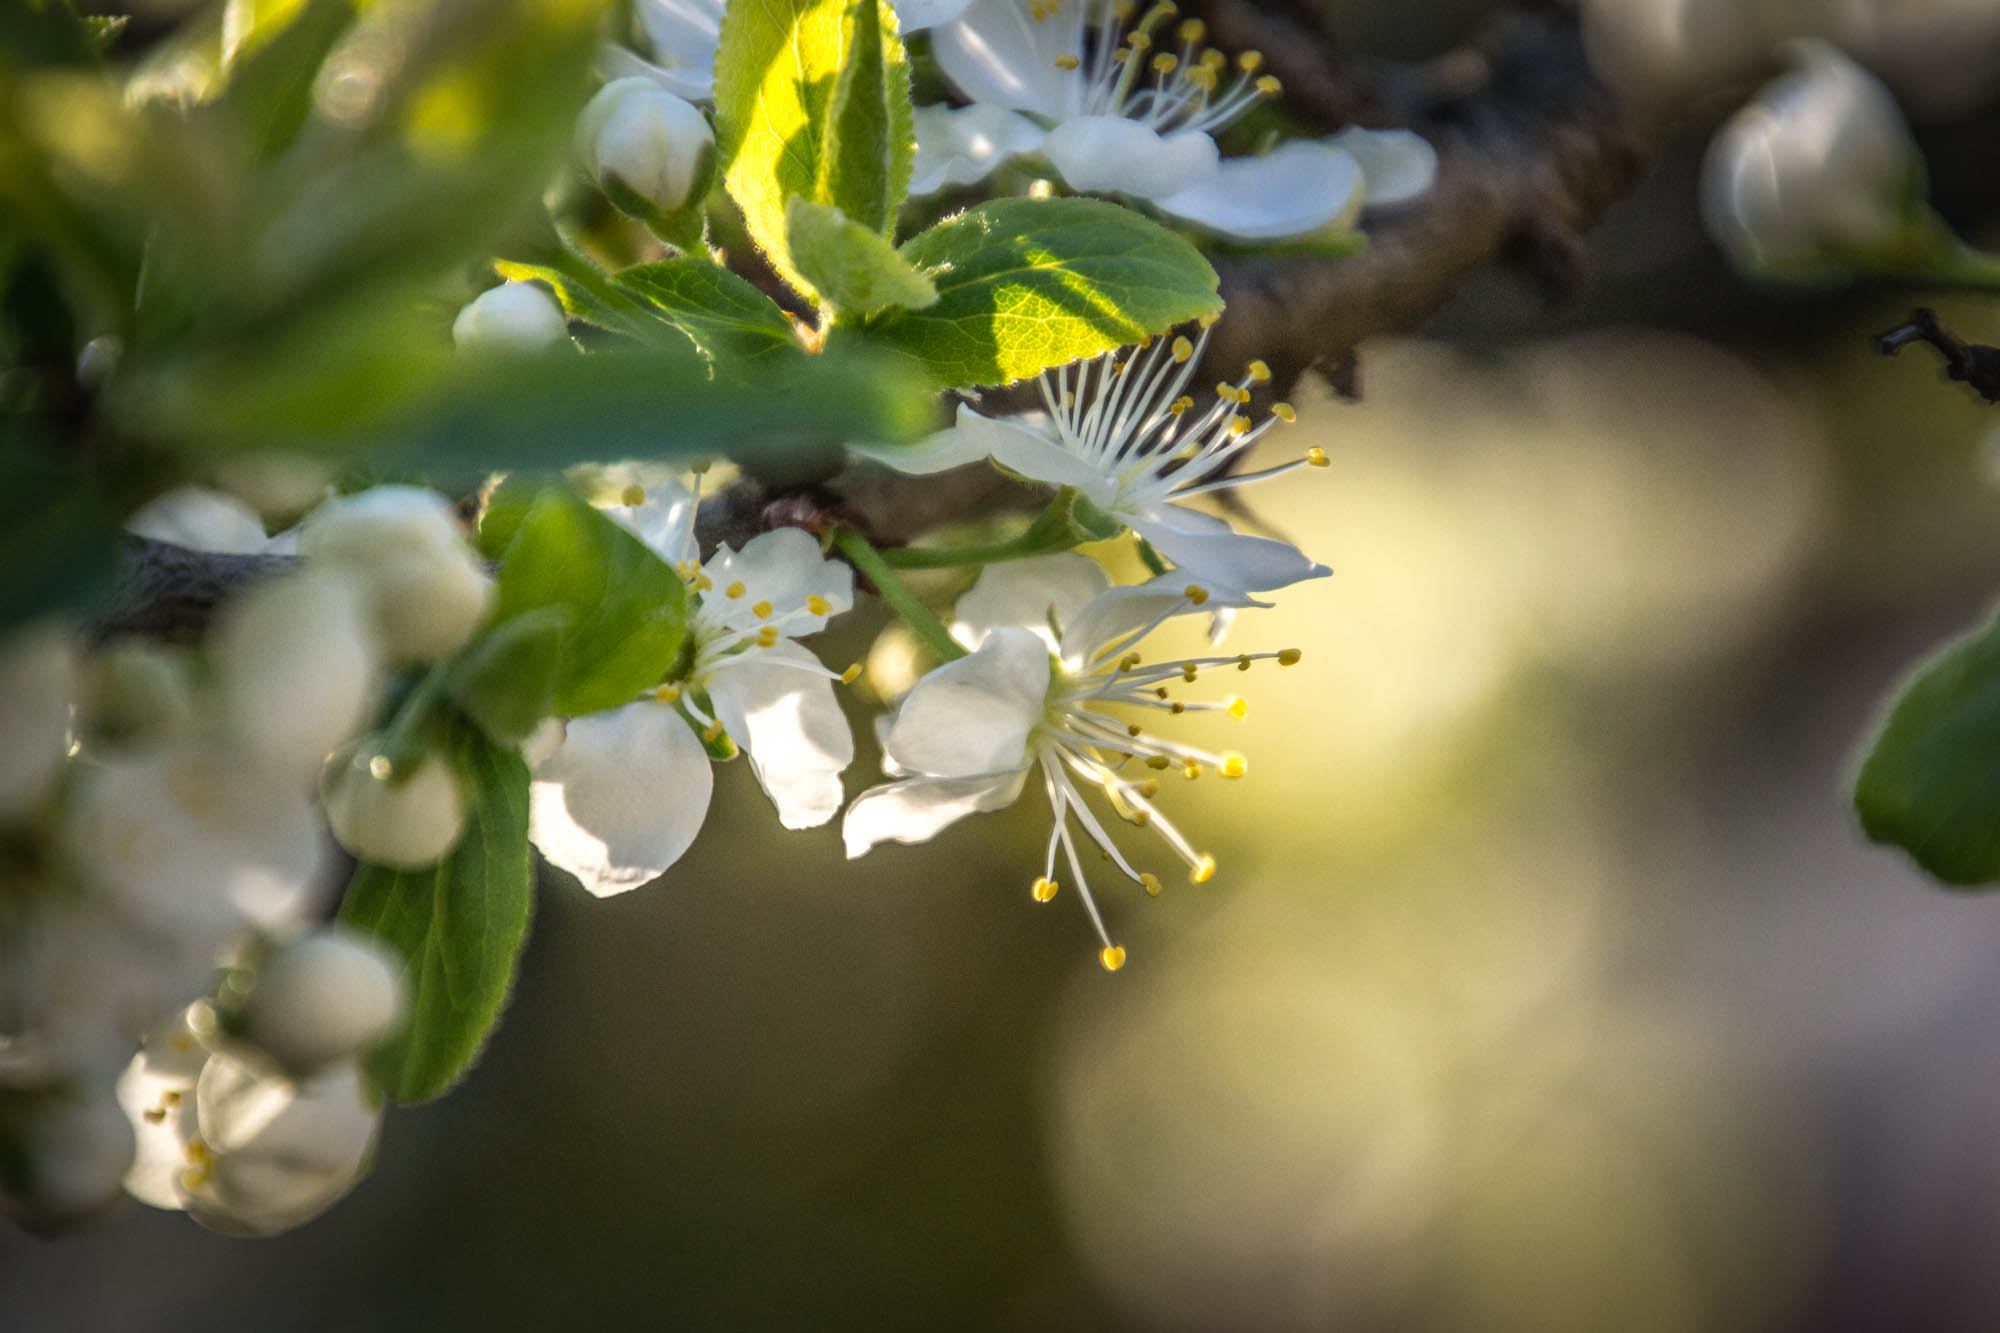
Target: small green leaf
1025, 284
790, 78
593, 300
271, 79
872, 146
1930, 783
627, 608
722, 313
459, 925
859, 274
506, 679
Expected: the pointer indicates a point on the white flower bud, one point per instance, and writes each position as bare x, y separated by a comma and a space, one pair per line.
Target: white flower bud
135, 690
201, 520
280, 1151
513, 317
654, 143
1818, 172
330, 996
405, 821
427, 588
295, 662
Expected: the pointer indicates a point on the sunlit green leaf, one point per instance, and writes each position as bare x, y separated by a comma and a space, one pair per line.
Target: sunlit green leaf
857, 272
720, 312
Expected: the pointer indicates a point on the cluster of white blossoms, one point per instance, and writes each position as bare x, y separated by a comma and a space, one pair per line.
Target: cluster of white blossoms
1112, 99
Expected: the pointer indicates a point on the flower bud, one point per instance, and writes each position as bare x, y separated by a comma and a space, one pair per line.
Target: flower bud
330, 996
402, 820
641, 136
427, 589
201, 520
513, 317
135, 690
295, 661
1818, 173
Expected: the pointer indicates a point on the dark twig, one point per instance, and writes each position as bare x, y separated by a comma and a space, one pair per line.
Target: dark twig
1970, 363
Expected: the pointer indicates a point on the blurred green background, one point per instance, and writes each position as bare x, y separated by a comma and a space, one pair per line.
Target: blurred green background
1546, 983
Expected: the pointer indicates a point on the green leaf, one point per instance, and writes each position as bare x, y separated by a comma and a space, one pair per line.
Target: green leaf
722, 313
506, 679
508, 504
792, 77
593, 300
459, 925
626, 607
271, 80
857, 272
1930, 783
59, 539
1025, 284
873, 142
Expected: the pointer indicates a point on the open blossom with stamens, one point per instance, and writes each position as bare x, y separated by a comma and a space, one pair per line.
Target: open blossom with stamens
1125, 432
969, 736
1129, 107
625, 793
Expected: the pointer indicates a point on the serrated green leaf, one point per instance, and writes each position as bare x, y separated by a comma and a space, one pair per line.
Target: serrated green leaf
872, 146
506, 679
780, 76
593, 300
459, 925
1930, 783
858, 274
1025, 284
718, 311
626, 606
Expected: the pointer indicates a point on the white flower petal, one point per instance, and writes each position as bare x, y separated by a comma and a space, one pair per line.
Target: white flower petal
1396, 165
1118, 612
918, 809
787, 719
915, 14
201, 520
973, 716
960, 145
998, 53
684, 35
1013, 443
1298, 187
1112, 153
939, 451
618, 62
663, 520
785, 568
283, 1151
622, 798
1210, 553
1023, 593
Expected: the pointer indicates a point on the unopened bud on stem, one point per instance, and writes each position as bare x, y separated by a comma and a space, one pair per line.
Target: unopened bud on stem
636, 134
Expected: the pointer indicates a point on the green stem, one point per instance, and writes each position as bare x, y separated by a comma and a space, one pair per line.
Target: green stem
402, 740
1051, 531
869, 562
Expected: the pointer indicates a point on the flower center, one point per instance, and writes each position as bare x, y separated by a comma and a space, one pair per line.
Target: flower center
1168, 82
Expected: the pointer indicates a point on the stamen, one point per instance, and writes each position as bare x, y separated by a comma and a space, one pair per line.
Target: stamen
1316, 457
767, 636
1239, 707
852, 674
734, 590
1284, 412
1204, 870
818, 605
1112, 956
669, 693
1152, 884
633, 496
1197, 594
1067, 62
1289, 657
1259, 372
1044, 888
1234, 766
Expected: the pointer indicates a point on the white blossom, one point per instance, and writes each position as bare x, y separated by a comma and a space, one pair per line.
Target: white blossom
651, 141
295, 667
404, 820
963, 145
972, 733
426, 586
330, 995
624, 795
226, 1135
1122, 430
513, 317
1819, 171
1129, 108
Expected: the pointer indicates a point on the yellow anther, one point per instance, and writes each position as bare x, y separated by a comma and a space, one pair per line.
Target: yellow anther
735, 589
1120, 56
1067, 62
1284, 412
1192, 31
1139, 818
181, 1043
1209, 321
1112, 957
1160, 690
379, 767
155, 1114
1183, 349
1201, 76
1226, 391
1150, 788
1177, 708
1250, 61
1204, 870
818, 605
1243, 661
1289, 656
1239, 424
1213, 60
703, 583
193, 1180
1239, 707
1152, 883
1316, 457
198, 1153
1234, 766
767, 636
1196, 593
1132, 729
633, 496
852, 674
1139, 41
171, 1097
1146, 343
1166, 62
1158, 761
1181, 405
1121, 367
1044, 889
1127, 662
762, 610
1269, 86
1188, 673
1190, 770
1124, 10
1259, 372
669, 693
700, 467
